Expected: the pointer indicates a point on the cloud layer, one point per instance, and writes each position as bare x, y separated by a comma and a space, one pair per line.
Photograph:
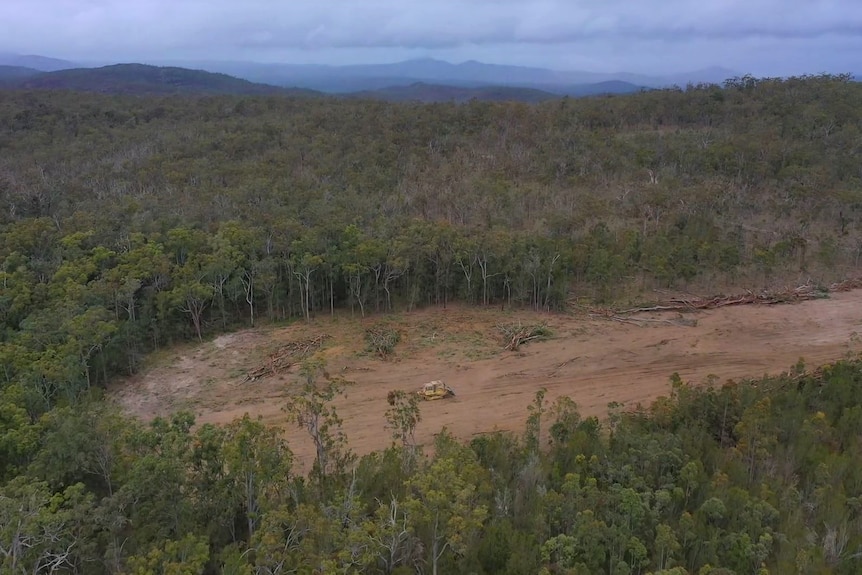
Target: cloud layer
268, 29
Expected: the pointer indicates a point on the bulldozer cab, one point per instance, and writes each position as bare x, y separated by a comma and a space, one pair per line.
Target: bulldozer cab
435, 390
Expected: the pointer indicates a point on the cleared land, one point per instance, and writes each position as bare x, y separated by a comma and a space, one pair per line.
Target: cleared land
594, 361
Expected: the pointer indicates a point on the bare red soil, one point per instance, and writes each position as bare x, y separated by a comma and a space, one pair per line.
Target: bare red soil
593, 361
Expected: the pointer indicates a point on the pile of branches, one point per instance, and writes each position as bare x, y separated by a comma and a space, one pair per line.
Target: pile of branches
516, 334
382, 341
804, 292
846, 285
286, 356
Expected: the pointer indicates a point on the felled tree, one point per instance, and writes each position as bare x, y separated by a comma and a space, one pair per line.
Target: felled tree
382, 341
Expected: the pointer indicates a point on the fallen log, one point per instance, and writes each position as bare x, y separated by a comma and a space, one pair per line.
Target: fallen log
286, 356
804, 292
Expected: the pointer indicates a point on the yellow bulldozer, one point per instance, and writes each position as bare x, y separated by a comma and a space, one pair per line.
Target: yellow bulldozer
435, 390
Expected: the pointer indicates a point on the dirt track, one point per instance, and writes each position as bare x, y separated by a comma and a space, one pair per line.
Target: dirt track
592, 361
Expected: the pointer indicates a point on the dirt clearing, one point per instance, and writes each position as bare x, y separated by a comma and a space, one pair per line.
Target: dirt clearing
593, 361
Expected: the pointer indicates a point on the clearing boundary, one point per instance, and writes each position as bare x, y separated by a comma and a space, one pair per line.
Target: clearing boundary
590, 359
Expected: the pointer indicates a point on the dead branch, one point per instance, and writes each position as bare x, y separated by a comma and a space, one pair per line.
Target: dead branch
804, 292
846, 285
382, 340
516, 334
286, 356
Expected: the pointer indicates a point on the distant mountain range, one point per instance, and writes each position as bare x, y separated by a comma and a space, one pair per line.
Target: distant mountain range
426, 80
342, 79
142, 79
372, 77
40, 63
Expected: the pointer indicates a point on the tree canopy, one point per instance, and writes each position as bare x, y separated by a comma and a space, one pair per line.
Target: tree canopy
129, 224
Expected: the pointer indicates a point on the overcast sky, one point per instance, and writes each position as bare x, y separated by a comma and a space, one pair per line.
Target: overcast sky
763, 37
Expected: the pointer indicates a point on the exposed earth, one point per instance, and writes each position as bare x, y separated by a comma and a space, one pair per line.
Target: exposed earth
593, 361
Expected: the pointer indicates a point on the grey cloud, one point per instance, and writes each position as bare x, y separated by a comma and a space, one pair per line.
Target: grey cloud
343, 23
270, 27
447, 23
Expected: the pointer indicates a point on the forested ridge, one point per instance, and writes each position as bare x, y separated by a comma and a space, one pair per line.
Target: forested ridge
128, 224
139, 80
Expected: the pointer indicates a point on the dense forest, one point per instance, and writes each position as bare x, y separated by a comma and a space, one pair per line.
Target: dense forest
757, 477
130, 223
